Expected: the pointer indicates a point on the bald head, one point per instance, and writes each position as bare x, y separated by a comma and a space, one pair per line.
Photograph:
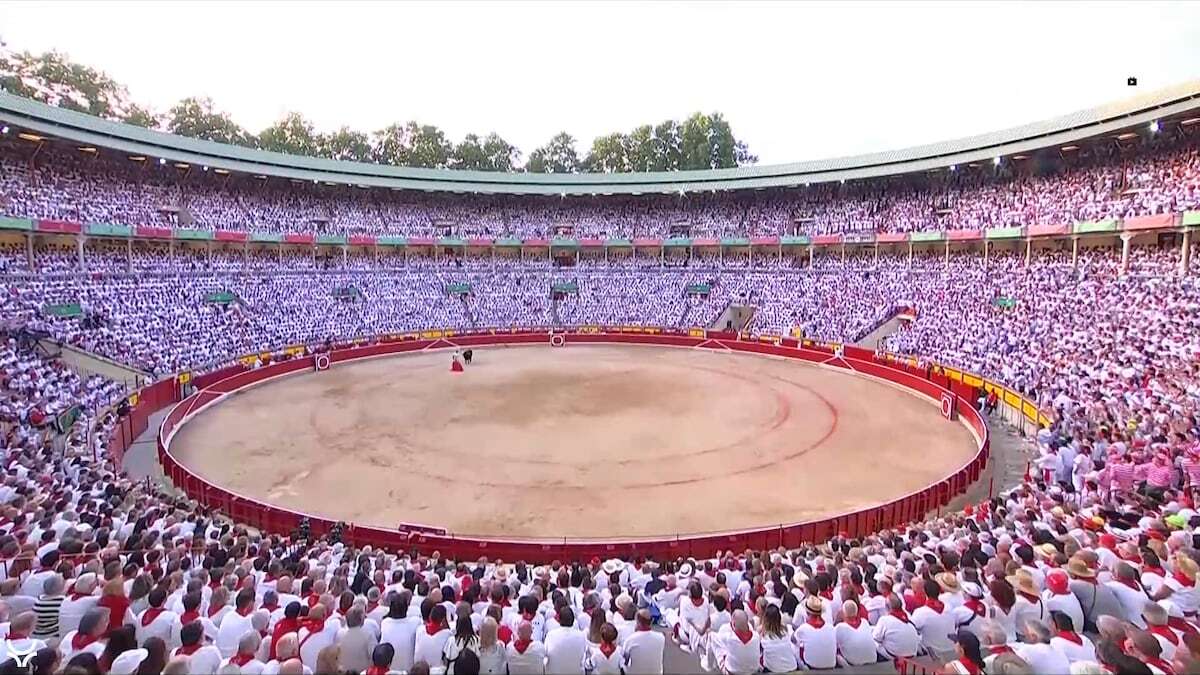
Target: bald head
525, 631
740, 621
288, 647
291, 667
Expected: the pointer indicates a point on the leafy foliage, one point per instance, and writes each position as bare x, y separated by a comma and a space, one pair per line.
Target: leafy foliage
702, 141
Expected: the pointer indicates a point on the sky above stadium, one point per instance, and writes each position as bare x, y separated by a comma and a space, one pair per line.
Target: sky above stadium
797, 81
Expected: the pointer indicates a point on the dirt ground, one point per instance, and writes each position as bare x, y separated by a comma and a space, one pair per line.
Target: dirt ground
581, 441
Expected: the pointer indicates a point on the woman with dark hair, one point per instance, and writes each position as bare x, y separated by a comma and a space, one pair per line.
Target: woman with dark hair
970, 658
464, 640
599, 618
83, 663
156, 657
1001, 610
787, 606
120, 641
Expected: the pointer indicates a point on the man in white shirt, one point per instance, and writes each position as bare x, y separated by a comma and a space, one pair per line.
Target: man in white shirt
1128, 589
156, 621
525, 655
737, 647
235, 623
855, 645
894, 632
644, 648
936, 623
81, 598
566, 646
1037, 651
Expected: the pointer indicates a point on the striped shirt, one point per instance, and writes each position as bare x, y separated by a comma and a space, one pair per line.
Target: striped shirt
46, 611
1122, 476
1191, 467
1159, 476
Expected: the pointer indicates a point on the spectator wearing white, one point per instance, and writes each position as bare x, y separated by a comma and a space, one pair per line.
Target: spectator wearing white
356, 641
566, 645
855, 644
895, 633
935, 622
525, 656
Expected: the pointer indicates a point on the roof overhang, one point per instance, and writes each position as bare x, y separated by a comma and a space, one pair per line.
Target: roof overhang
1069, 129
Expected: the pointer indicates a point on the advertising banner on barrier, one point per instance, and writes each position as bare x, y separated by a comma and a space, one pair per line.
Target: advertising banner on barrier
697, 332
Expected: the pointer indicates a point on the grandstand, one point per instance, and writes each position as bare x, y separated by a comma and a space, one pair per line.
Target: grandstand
1043, 279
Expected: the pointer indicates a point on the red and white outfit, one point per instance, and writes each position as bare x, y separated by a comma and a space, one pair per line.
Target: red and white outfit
816, 642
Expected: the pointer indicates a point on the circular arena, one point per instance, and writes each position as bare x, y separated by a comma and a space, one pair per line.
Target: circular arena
929, 410
587, 441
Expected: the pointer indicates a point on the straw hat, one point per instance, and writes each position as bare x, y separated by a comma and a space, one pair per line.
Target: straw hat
949, 582
1186, 566
1022, 581
1078, 567
799, 578
814, 604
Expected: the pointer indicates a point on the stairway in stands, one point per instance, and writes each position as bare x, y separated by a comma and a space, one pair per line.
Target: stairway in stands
467, 311
555, 321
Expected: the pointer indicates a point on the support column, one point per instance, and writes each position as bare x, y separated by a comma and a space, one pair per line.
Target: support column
1074, 252
876, 254
344, 254
987, 247
947, 260
171, 253
751, 257
811, 248
1028, 251
79, 251
1125, 238
29, 251
843, 251
129, 255
1185, 253
910, 254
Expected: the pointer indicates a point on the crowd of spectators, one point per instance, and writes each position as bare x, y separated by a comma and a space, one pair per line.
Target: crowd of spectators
1090, 566
1159, 175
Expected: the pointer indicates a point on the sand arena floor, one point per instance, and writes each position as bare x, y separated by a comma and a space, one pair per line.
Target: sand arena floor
582, 441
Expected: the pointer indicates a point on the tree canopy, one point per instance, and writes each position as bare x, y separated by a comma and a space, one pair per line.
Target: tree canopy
702, 141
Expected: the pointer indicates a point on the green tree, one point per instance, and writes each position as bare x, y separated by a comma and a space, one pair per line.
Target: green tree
293, 134
668, 146
557, 156
501, 155
54, 79
608, 155
141, 117
412, 144
345, 144
197, 118
468, 154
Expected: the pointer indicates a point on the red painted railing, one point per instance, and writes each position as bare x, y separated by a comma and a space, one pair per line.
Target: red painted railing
212, 387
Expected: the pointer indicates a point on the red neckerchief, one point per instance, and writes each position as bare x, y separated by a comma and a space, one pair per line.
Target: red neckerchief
1166, 632
246, 611
17, 636
212, 611
1000, 649
522, 645
853, 622
76, 595
504, 634
80, 640
744, 636
1131, 583
935, 604
1183, 579
371, 607
187, 651
1181, 624
1070, 637
607, 648
899, 614
976, 605
312, 600
827, 594
313, 625
150, 615
282, 628
432, 628
241, 659
970, 667
815, 621
1132, 557
188, 617
1156, 570
269, 578
697, 602
1161, 665
528, 616
378, 670
214, 584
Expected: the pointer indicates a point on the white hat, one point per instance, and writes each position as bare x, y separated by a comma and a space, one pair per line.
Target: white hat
127, 663
612, 565
685, 571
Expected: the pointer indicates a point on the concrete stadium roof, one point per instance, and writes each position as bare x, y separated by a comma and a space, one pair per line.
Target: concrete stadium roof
1177, 100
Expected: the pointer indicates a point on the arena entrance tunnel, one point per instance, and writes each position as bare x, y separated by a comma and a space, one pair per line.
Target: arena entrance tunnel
954, 397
